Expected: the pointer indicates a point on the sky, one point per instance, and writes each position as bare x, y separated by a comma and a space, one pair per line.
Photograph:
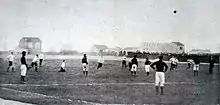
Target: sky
78, 24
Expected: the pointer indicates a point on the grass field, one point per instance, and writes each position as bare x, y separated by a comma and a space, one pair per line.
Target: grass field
110, 85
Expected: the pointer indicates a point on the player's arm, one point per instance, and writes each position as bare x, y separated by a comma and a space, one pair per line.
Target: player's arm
137, 63
152, 65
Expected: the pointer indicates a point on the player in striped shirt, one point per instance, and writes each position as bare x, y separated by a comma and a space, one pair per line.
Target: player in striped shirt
85, 65
10, 61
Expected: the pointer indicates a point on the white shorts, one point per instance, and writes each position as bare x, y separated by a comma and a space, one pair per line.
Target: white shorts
147, 68
196, 67
159, 78
134, 67
23, 70
85, 67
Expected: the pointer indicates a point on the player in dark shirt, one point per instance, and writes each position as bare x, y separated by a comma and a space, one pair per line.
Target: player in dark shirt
24, 67
134, 64
147, 66
85, 65
196, 66
211, 64
161, 68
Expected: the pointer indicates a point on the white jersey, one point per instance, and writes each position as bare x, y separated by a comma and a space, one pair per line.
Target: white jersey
63, 65
11, 57
101, 60
35, 59
41, 56
174, 60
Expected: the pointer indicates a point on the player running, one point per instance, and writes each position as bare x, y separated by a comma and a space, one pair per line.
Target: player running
160, 74
147, 66
24, 67
100, 62
85, 65
134, 64
10, 61
174, 63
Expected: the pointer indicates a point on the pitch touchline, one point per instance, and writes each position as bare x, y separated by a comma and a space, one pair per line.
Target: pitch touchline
102, 84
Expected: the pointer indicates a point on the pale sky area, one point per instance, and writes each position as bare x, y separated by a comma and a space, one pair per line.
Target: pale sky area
124, 23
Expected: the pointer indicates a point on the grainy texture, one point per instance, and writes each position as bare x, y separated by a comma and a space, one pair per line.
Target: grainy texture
109, 85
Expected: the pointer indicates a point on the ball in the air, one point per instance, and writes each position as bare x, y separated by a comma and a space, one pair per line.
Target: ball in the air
174, 11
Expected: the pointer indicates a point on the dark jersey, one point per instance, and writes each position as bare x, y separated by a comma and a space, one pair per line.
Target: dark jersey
196, 61
134, 61
211, 62
23, 61
160, 65
147, 62
84, 60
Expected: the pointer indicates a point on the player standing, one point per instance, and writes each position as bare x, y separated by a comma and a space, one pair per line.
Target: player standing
211, 64
189, 63
124, 62
41, 58
10, 61
62, 69
100, 62
24, 67
160, 74
34, 62
147, 66
134, 64
85, 65
196, 66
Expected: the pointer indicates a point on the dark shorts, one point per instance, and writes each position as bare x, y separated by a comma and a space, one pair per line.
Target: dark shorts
10, 63
41, 60
123, 62
173, 65
34, 64
99, 65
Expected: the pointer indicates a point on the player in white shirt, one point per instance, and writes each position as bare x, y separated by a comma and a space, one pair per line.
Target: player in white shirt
34, 62
41, 57
62, 69
100, 62
10, 61
174, 62
124, 62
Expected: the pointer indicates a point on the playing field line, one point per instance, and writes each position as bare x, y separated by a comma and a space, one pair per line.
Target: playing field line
101, 84
30, 94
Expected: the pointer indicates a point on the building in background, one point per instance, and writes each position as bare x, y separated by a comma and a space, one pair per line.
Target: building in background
156, 47
199, 51
33, 45
98, 48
